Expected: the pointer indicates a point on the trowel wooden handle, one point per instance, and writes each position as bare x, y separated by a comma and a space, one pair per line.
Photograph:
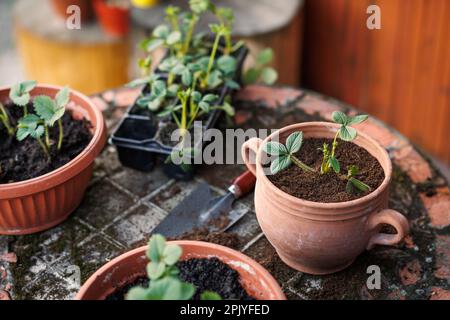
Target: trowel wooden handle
243, 184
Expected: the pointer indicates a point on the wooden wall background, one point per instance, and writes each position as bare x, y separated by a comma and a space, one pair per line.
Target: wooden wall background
400, 73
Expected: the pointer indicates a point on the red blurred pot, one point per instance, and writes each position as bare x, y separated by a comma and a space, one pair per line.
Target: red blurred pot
60, 8
256, 280
40, 203
114, 20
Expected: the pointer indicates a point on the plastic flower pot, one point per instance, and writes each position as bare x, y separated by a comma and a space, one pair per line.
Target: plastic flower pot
124, 269
323, 238
86, 10
142, 151
114, 20
40, 203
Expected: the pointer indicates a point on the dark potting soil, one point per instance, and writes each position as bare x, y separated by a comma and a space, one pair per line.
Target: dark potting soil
166, 133
206, 274
328, 187
25, 160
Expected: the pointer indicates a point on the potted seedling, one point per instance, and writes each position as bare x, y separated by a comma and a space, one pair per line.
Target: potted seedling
323, 185
113, 15
49, 138
191, 86
181, 270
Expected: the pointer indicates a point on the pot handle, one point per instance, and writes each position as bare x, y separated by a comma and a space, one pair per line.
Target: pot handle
251, 146
393, 218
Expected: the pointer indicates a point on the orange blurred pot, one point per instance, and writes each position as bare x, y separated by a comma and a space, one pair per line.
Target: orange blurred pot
127, 267
322, 238
114, 20
86, 11
40, 203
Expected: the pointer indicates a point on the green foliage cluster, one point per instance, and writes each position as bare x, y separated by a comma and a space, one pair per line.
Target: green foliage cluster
162, 272
47, 113
285, 153
195, 66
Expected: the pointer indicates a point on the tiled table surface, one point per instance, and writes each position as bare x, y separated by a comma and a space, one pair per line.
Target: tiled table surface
122, 206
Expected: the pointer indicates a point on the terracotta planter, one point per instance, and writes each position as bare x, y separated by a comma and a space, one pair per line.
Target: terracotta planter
127, 267
40, 203
60, 8
322, 238
114, 20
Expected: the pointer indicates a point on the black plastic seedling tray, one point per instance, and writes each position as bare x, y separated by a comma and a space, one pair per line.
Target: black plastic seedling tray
136, 136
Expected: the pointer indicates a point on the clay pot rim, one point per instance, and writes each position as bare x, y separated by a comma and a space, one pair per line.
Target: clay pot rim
275, 287
45, 180
325, 205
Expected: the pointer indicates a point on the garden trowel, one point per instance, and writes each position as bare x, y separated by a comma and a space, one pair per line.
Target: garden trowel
200, 210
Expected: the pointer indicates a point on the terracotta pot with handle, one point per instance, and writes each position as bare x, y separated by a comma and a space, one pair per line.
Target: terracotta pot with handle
322, 238
40, 203
124, 269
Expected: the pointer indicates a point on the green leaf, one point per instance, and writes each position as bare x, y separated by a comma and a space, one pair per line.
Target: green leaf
227, 64
204, 106
18, 97
178, 290
161, 31
214, 79
28, 85
155, 269
210, 295
275, 148
349, 188
361, 186
229, 109
199, 6
29, 126
339, 117
45, 107
156, 247
62, 97
155, 104
172, 254
251, 75
357, 119
174, 37
352, 171
186, 77
137, 293
280, 163
347, 133
294, 142
232, 84
264, 56
154, 44
269, 75
159, 88
210, 97
335, 164
138, 82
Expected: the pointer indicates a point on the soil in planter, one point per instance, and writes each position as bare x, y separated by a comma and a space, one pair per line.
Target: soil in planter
25, 160
328, 187
206, 274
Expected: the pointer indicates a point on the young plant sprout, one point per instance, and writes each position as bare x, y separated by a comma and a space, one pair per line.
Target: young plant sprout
163, 274
4, 119
48, 112
261, 72
20, 94
285, 153
346, 133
